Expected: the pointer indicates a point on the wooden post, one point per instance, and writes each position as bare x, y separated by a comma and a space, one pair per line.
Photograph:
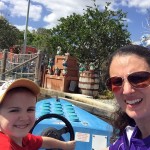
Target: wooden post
38, 68
20, 65
4, 64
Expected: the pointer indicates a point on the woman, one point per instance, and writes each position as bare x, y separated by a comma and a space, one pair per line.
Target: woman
129, 80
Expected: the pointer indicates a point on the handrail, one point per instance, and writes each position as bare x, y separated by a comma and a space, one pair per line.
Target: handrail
18, 66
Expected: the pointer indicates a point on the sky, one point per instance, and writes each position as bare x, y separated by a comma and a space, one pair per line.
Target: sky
46, 13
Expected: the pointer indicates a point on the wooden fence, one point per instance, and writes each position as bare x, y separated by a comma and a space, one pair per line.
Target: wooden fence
13, 66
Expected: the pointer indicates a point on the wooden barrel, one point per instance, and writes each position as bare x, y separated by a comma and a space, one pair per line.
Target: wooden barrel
89, 83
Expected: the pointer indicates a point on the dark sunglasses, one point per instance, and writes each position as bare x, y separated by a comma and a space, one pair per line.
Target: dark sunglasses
139, 79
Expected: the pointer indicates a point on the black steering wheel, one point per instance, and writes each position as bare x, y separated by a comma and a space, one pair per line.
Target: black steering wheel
52, 132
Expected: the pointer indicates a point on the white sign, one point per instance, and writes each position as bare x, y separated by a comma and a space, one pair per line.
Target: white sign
99, 142
83, 137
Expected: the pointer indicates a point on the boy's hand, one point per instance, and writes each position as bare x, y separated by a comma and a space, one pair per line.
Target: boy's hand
70, 145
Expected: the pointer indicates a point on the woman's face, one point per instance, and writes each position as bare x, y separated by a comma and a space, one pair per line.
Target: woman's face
135, 102
17, 113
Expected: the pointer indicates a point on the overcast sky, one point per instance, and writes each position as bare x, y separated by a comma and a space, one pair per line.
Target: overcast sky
45, 13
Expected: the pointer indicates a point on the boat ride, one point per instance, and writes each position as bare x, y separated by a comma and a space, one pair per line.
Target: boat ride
62, 120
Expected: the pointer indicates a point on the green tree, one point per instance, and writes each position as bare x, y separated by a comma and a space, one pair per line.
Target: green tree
92, 36
41, 39
9, 34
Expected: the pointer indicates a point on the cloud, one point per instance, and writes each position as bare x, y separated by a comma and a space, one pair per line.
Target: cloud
2, 6
3, 9
22, 28
140, 5
50, 11
18, 9
128, 20
58, 8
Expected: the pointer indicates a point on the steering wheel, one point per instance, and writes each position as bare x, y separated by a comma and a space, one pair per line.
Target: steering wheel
52, 132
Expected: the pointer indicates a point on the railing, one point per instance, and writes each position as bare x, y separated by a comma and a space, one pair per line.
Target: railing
13, 66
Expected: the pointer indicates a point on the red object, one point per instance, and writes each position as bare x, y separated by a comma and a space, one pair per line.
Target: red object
19, 49
29, 142
30, 49
62, 82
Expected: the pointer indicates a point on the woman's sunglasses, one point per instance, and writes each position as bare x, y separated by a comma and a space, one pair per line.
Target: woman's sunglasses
139, 79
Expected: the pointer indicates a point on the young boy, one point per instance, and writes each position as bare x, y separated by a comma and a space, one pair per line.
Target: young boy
17, 117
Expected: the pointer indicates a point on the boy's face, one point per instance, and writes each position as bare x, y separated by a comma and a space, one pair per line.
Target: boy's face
17, 113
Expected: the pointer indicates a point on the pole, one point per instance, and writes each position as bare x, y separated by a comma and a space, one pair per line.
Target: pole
38, 69
26, 28
4, 64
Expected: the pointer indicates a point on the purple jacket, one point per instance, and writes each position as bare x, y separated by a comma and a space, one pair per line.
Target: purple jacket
130, 141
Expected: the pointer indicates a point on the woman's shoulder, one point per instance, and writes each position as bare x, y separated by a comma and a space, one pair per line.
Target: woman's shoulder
122, 141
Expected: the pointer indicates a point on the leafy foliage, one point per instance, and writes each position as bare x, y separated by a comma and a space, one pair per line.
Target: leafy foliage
93, 36
108, 94
9, 35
